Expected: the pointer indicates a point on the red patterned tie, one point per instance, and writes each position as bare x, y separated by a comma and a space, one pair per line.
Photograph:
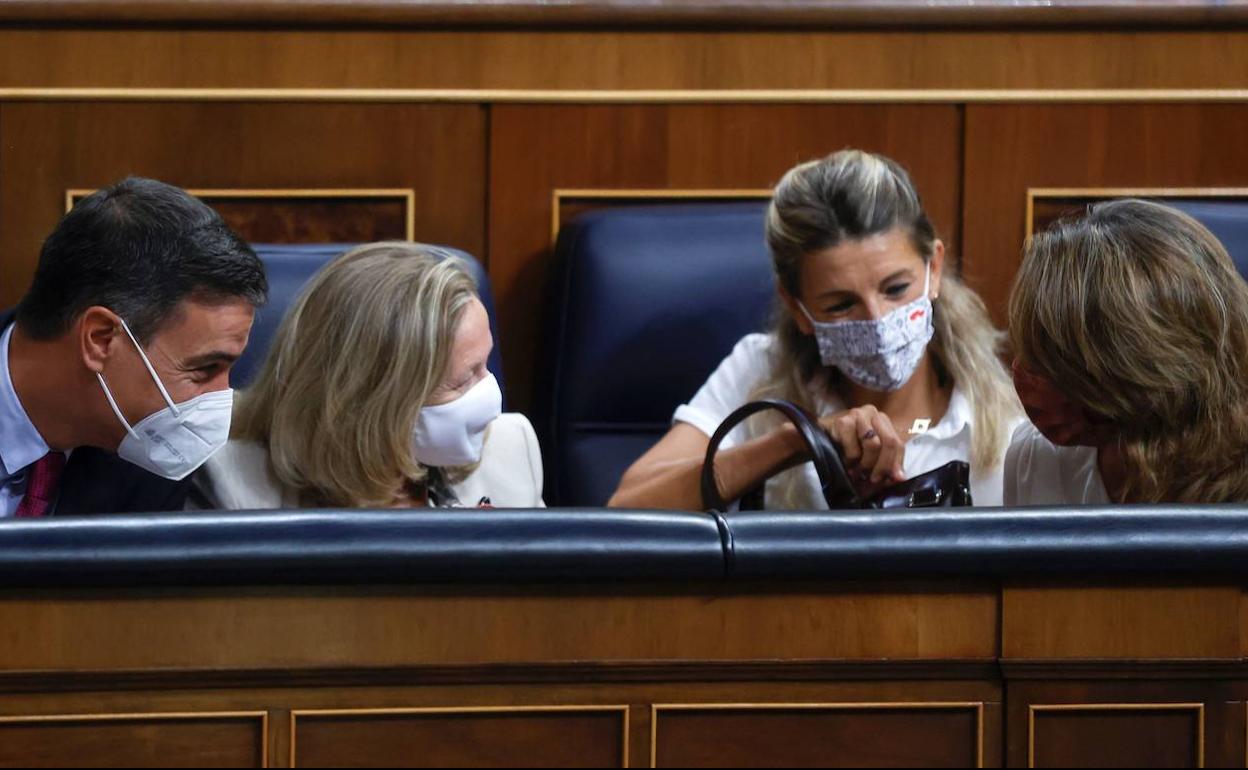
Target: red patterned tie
42, 479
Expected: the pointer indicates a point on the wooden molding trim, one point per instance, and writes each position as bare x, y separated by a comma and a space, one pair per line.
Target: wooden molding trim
1033, 709
552, 709
1036, 194
615, 14
407, 196
633, 195
181, 716
572, 96
535, 673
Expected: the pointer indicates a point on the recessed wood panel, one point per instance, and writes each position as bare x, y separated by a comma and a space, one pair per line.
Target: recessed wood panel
535, 150
831, 735
141, 740
500, 737
1127, 735
435, 150
307, 216
1011, 148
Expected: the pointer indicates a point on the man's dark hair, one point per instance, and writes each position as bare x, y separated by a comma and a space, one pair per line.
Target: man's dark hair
138, 248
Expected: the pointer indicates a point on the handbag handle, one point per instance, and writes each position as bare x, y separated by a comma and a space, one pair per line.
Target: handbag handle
837, 489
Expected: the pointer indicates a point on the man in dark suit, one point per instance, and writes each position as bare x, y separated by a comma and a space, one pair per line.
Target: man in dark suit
114, 369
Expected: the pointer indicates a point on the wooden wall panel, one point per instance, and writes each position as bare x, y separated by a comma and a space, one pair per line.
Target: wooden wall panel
1126, 735
139, 740
1052, 622
537, 149
48, 148
507, 59
497, 737
832, 735
1010, 148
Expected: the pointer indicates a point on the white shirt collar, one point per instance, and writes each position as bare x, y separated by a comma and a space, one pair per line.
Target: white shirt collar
20, 442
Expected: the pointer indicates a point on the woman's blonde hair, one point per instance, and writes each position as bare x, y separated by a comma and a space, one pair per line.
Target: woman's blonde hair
851, 195
354, 360
1138, 315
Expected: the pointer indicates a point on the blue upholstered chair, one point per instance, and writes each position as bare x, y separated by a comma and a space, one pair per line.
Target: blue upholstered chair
289, 267
648, 301
1227, 219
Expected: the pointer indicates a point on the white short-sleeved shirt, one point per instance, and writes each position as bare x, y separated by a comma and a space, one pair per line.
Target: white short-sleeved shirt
1038, 472
749, 364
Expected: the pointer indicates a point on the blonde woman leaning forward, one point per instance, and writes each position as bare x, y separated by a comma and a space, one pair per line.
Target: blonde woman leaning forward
376, 394
1130, 328
897, 357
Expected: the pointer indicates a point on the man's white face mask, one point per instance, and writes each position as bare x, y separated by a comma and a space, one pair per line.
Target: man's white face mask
179, 438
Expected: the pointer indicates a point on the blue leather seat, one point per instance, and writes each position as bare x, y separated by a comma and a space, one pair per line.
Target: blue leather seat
648, 301
289, 267
1226, 219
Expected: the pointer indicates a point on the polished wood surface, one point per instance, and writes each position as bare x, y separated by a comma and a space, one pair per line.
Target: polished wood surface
786, 60
138, 740
625, 13
1150, 722
536, 150
1080, 621
1117, 735
47, 149
307, 628
493, 737
707, 674
837, 735
1010, 148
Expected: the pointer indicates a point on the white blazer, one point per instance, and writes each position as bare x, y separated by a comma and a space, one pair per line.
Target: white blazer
238, 477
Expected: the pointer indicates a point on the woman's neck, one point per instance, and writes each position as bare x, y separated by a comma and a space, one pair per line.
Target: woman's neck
921, 398
1113, 469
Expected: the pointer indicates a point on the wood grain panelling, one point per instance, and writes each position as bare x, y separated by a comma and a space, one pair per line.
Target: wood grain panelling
535, 150
137, 741
438, 151
451, 738
832, 736
621, 60
1081, 621
303, 628
1127, 735
1010, 148
296, 216
1108, 723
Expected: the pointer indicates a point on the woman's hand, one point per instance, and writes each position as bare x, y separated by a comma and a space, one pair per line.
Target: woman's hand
872, 450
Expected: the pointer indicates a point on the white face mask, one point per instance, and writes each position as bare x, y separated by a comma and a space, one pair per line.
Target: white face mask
179, 438
883, 353
453, 433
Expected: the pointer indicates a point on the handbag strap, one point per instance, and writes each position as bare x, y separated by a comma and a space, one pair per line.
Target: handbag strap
837, 489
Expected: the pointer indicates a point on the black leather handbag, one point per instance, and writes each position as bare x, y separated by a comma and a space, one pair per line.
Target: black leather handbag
948, 486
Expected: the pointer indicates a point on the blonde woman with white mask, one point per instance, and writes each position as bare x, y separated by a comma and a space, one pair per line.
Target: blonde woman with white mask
897, 358
375, 394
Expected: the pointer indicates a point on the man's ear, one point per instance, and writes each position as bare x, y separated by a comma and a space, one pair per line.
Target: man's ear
803, 323
99, 336
938, 267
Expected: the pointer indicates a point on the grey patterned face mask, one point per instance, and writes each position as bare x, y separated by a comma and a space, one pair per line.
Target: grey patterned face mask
883, 353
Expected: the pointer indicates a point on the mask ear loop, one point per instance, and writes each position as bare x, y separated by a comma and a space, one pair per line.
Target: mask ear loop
155, 377
108, 394
927, 278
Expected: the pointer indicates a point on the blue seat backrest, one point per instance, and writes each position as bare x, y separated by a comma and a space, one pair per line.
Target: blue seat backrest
648, 301
289, 266
1226, 219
